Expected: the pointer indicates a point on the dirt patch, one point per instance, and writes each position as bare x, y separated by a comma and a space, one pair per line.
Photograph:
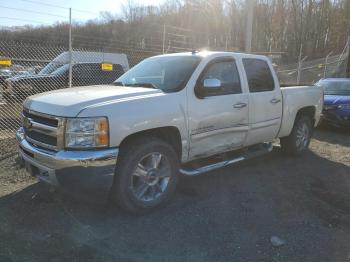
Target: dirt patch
225, 215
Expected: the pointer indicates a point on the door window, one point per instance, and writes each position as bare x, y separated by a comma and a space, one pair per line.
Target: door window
228, 75
259, 75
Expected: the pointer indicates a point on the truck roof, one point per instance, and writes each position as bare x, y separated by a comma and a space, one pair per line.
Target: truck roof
216, 53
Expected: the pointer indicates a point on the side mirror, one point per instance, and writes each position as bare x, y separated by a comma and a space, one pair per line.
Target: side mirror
212, 84
207, 87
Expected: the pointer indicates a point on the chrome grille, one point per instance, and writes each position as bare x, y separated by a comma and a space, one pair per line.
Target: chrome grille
43, 130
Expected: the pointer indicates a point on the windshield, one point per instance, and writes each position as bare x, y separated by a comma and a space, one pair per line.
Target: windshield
5, 72
61, 70
168, 73
50, 68
335, 87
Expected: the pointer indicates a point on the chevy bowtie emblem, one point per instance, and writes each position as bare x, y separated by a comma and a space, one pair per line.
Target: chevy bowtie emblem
27, 123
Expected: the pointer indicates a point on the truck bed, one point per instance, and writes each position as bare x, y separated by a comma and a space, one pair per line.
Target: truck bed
295, 98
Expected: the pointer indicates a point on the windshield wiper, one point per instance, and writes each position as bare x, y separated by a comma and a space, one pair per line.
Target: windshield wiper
147, 85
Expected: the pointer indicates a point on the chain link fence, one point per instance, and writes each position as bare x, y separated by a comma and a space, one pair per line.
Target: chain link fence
310, 71
40, 68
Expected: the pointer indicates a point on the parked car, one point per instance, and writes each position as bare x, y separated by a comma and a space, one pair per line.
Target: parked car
12, 71
167, 115
336, 109
86, 70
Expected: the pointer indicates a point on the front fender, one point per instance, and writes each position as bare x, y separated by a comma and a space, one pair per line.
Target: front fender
139, 114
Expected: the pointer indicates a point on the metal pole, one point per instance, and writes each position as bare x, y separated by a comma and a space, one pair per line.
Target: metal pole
299, 63
299, 69
345, 49
249, 26
347, 72
325, 64
70, 49
163, 38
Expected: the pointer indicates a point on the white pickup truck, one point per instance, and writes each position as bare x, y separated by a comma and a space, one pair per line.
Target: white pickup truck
168, 115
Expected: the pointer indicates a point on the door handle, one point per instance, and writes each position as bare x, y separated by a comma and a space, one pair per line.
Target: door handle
239, 105
275, 100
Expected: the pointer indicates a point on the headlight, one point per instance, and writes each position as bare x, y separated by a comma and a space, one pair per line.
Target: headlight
344, 106
87, 132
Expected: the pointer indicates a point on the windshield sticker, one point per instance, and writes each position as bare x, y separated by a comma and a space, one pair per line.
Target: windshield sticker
107, 67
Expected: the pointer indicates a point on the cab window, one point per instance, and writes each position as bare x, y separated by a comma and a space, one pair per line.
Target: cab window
259, 75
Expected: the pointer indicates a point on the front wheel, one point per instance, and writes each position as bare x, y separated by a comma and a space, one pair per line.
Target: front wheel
299, 139
146, 175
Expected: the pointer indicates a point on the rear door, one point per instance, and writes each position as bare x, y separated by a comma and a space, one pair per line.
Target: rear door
218, 120
265, 100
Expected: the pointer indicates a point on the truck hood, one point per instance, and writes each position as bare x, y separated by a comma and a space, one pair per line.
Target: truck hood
336, 99
32, 80
21, 77
70, 101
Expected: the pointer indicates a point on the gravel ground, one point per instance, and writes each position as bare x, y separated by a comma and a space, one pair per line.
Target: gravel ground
225, 215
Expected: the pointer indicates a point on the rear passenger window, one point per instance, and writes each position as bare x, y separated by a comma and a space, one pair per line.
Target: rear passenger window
259, 75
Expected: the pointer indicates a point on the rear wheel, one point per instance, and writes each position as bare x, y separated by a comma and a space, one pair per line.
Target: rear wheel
146, 175
299, 139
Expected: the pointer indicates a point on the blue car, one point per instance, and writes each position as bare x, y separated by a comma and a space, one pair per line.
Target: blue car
336, 109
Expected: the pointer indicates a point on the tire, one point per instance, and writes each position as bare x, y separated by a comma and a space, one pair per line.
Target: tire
299, 139
146, 175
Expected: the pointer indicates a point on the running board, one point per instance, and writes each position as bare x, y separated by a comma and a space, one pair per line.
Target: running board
266, 148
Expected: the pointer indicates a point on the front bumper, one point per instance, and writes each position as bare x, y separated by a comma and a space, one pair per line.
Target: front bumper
87, 174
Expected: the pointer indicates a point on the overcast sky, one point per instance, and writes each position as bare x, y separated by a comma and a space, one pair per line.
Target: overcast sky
22, 12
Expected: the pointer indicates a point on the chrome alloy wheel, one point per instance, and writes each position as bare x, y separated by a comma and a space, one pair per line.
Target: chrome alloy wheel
302, 136
151, 177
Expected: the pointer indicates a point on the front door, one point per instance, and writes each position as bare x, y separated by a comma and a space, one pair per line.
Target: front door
218, 117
